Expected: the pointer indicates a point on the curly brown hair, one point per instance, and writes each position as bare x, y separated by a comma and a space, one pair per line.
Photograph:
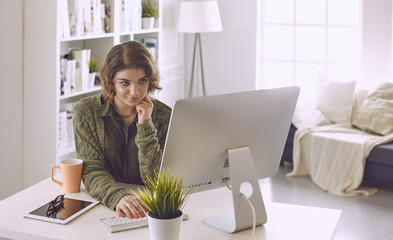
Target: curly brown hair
128, 55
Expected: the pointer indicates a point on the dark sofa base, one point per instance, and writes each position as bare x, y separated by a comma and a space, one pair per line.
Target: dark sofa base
378, 171
378, 175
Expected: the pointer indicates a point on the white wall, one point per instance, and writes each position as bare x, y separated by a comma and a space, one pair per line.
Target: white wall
377, 40
171, 54
229, 57
11, 97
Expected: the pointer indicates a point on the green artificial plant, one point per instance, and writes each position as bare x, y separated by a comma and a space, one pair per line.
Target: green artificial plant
163, 195
93, 65
150, 9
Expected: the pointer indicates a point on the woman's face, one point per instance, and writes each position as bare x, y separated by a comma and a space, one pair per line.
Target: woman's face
131, 86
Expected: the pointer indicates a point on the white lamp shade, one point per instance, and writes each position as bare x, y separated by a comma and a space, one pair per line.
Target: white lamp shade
199, 16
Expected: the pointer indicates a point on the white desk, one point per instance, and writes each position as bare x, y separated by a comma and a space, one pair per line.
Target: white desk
284, 221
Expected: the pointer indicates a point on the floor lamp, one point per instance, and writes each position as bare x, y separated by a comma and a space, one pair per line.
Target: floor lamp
198, 17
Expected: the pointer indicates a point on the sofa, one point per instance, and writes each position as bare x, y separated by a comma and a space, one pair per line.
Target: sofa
364, 111
378, 171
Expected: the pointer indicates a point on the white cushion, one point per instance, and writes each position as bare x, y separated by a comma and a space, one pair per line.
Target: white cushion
359, 96
335, 101
376, 113
305, 116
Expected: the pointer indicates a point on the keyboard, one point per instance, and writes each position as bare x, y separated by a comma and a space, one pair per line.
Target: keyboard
116, 224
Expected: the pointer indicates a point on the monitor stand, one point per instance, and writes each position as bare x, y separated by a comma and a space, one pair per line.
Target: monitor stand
242, 170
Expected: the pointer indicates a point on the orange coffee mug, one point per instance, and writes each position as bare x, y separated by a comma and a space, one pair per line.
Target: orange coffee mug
71, 174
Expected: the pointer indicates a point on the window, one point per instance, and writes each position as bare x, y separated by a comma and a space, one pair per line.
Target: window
306, 39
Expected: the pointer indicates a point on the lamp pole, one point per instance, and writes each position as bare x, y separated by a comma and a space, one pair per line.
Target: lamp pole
197, 41
198, 17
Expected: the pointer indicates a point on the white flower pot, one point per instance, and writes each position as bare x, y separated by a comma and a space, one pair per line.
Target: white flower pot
147, 22
164, 229
92, 78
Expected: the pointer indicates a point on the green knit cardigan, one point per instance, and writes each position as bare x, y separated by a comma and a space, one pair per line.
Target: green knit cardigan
89, 143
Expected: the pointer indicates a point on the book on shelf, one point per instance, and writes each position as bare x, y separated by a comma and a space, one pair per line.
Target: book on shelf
82, 60
151, 44
75, 73
72, 17
96, 12
131, 15
70, 129
136, 15
66, 131
69, 84
75, 17
71, 74
63, 63
67, 107
86, 70
64, 20
66, 75
105, 16
84, 17
63, 134
87, 23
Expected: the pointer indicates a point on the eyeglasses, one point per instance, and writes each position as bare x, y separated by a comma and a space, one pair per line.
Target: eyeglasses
55, 206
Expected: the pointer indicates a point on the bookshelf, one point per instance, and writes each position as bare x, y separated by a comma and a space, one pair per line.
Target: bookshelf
44, 45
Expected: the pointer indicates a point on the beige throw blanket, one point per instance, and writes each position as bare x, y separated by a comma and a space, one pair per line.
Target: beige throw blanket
334, 157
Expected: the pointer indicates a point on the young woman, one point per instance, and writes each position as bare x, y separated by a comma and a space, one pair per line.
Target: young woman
120, 134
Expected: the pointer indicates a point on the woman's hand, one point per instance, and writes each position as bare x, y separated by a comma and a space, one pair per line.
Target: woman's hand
129, 206
144, 110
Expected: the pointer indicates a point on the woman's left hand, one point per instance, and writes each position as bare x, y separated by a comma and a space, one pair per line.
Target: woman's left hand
144, 110
129, 206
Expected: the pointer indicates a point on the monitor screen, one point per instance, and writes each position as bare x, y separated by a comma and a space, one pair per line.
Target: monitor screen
202, 131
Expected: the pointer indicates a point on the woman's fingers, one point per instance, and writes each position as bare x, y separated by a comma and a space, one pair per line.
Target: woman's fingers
128, 206
143, 205
144, 109
134, 210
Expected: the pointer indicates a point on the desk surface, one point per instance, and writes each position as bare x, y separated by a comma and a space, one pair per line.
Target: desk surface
285, 221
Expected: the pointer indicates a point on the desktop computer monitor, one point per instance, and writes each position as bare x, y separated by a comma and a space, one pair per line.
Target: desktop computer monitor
235, 138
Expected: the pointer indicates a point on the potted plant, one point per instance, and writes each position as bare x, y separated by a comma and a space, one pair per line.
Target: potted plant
149, 14
165, 198
93, 69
